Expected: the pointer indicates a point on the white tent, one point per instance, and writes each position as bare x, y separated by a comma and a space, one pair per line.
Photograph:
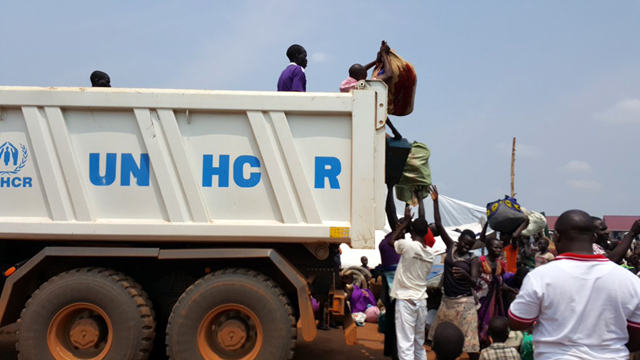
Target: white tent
455, 214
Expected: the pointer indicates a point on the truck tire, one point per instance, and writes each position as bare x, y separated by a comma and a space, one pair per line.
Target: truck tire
88, 314
234, 314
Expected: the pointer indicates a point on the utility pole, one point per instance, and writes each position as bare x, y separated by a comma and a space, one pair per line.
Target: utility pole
513, 168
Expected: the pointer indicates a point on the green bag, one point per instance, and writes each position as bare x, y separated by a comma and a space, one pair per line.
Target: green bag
416, 173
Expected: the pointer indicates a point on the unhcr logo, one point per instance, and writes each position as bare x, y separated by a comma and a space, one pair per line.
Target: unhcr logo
12, 161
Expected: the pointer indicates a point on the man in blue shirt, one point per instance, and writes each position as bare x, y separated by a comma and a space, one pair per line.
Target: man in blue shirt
292, 77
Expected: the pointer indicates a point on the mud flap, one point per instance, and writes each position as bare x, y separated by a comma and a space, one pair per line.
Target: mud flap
340, 310
350, 328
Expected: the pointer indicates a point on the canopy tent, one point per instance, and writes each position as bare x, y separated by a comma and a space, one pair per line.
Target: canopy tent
456, 215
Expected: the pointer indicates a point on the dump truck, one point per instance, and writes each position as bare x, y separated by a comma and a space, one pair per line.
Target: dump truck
198, 221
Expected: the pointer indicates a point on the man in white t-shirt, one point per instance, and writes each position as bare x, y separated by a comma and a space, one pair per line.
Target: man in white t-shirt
410, 287
586, 306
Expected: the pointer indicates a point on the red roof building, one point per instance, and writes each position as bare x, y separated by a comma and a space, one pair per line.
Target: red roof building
619, 223
551, 222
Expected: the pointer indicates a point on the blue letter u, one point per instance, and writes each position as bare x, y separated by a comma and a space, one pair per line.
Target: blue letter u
94, 170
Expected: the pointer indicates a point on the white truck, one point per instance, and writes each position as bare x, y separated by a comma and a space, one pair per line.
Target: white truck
208, 217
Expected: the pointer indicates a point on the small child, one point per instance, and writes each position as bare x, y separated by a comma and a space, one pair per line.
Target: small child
448, 341
498, 335
543, 256
357, 72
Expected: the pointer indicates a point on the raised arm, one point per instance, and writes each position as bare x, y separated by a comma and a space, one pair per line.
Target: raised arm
403, 225
386, 64
483, 234
373, 63
520, 229
436, 214
617, 254
418, 192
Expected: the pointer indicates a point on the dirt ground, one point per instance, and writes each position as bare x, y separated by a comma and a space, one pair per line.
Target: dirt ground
331, 345
327, 345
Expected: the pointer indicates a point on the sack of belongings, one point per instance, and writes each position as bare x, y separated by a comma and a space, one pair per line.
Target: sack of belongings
505, 215
402, 87
416, 173
537, 223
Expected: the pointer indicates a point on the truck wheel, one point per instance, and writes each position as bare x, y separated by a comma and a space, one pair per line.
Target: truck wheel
87, 314
233, 314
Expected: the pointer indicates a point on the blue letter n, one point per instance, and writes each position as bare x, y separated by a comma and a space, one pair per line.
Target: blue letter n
129, 167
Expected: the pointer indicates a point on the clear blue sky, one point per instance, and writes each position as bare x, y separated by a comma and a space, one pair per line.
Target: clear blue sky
561, 76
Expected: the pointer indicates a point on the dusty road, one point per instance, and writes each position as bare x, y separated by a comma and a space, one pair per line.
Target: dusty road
327, 345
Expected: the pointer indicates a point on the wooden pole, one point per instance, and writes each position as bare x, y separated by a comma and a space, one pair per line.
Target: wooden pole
513, 168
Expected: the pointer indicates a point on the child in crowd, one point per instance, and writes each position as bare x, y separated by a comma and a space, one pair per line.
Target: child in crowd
633, 264
526, 254
292, 77
448, 340
543, 256
357, 72
498, 335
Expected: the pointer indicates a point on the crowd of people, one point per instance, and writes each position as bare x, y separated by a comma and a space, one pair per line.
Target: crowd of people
575, 296
576, 305
570, 296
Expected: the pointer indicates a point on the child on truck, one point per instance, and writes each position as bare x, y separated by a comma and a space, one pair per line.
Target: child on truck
357, 72
543, 256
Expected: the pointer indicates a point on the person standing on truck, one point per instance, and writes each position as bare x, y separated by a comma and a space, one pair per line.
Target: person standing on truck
100, 79
292, 77
410, 286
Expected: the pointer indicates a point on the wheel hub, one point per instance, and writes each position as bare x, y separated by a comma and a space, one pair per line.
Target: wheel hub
84, 333
80, 331
230, 332
232, 335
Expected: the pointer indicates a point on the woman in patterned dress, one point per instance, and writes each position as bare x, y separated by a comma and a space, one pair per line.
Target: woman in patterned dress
490, 287
459, 279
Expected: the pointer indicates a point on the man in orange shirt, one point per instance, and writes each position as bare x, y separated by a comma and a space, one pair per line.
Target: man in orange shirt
510, 247
510, 254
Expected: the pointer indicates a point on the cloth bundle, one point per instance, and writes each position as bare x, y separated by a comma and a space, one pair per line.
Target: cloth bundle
505, 215
416, 173
402, 88
537, 223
